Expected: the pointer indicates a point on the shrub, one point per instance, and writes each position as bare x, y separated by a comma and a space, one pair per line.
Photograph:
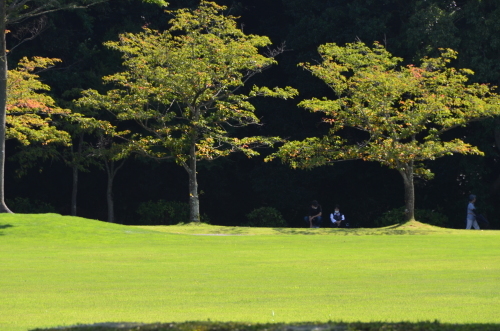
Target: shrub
163, 212
265, 217
397, 215
27, 206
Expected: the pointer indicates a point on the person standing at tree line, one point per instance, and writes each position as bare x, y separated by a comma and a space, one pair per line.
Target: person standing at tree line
471, 213
473, 217
314, 218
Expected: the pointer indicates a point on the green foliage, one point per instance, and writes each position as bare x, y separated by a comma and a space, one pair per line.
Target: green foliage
161, 3
29, 206
265, 217
431, 25
30, 111
397, 216
32, 115
403, 110
400, 112
163, 212
183, 86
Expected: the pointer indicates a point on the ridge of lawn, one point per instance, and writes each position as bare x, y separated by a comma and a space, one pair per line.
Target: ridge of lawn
409, 228
61, 270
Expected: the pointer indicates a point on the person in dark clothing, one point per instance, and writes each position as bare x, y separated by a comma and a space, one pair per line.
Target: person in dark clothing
314, 218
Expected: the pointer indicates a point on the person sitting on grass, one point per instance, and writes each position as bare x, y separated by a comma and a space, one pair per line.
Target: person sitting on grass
338, 219
314, 219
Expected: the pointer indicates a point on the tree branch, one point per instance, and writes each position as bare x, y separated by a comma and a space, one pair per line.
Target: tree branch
49, 7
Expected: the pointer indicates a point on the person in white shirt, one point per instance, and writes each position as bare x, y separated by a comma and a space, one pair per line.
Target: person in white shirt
471, 213
337, 218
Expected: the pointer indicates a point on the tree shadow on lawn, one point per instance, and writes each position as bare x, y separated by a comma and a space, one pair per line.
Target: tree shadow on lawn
4, 226
347, 232
408, 228
235, 326
229, 231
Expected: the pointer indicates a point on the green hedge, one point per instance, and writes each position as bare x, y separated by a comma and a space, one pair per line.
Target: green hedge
266, 217
163, 212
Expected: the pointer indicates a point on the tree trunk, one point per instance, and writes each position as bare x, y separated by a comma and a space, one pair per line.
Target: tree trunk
407, 174
496, 183
194, 202
111, 171
74, 189
76, 162
3, 104
109, 192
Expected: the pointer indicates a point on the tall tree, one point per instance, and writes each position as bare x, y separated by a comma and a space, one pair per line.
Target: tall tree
183, 87
401, 112
16, 11
32, 117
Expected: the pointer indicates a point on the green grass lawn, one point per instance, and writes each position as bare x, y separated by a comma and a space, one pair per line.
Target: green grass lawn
58, 270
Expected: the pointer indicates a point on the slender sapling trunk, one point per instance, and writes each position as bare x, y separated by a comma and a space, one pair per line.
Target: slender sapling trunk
3, 104
109, 194
75, 164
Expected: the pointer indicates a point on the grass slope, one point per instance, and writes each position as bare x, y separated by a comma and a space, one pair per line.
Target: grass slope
59, 270
410, 228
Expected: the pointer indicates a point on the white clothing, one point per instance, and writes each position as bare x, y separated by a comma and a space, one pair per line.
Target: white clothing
471, 217
472, 223
332, 218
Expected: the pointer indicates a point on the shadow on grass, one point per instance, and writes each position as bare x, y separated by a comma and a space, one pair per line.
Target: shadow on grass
4, 226
391, 231
408, 228
329, 326
230, 231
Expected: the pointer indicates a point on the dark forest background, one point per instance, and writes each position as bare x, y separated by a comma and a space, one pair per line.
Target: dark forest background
232, 187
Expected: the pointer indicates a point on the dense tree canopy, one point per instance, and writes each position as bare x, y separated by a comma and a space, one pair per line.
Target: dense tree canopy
402, 111
183, 87
235, 185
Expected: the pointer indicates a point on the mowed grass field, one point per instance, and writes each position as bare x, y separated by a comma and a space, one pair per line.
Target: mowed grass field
59, 270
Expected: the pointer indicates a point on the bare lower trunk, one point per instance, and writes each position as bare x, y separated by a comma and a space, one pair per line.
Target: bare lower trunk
496, 183
109, 198
77, 158
3, 104
407, 174
111, 171
194, 202
74, 190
